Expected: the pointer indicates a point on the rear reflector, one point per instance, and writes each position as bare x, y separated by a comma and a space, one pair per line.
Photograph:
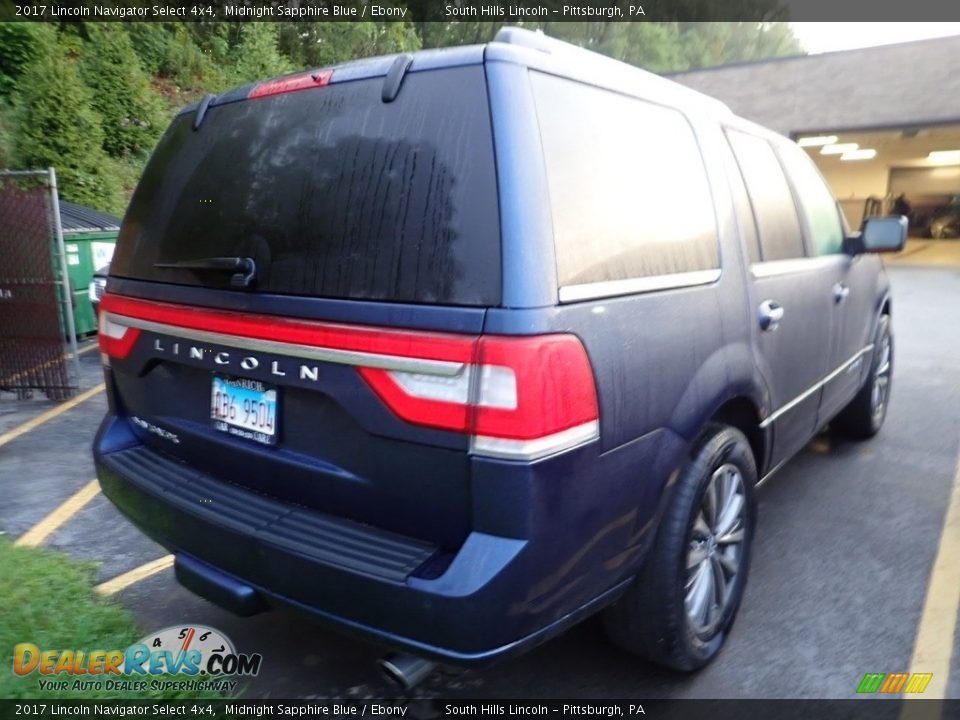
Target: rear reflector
291, 83
520, 397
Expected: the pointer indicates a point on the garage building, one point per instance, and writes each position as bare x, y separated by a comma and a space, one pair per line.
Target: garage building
879, 122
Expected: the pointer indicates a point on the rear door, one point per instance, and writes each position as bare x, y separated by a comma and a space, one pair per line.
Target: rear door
369, 228
790, 295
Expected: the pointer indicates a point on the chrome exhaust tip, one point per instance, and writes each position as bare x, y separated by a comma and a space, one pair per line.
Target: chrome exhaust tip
406, 671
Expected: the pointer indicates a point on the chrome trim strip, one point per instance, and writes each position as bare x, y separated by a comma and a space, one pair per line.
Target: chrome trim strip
772, 472
630, 286
305, 352
773, 268
538, 447
772, 417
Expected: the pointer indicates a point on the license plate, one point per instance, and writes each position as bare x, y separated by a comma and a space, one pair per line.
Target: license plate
245, 408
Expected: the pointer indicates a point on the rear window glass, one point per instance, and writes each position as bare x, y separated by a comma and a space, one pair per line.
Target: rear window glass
628, 187
332, 192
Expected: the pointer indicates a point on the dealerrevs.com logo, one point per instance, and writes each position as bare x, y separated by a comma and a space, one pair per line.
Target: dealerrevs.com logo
192, 658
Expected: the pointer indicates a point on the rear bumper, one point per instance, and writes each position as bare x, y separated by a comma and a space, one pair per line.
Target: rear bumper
495, 596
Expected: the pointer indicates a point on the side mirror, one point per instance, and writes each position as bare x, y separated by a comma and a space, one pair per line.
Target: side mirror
879, 235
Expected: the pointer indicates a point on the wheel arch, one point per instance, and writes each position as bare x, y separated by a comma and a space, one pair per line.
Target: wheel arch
742, 413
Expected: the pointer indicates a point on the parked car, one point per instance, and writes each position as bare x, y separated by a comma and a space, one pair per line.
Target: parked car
97, 287
455, 349
945, 221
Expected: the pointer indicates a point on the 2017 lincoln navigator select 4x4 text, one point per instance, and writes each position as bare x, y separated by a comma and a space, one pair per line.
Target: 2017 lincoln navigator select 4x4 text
454, 349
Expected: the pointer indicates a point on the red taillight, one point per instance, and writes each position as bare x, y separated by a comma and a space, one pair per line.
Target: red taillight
517, 397
520, 397
291, 83
116, 340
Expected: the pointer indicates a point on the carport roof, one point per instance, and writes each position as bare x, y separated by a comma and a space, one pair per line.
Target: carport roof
79, 218
904, 85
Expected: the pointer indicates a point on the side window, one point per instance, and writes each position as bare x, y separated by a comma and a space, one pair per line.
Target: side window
817, 203
770, 197
628, 189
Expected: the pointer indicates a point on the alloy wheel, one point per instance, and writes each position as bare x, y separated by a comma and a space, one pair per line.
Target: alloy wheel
881, 381
714, 551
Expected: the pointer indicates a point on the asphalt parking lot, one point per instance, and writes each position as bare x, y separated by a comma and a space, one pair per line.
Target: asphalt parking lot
844, 563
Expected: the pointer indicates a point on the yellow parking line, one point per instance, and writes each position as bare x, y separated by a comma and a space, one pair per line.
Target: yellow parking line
48, 415
136, 575
16, 376
66, 510
934, 644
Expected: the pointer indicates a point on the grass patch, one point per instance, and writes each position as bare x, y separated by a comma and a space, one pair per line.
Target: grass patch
48, 600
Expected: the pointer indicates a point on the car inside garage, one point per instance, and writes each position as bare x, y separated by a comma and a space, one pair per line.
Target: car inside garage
911, 171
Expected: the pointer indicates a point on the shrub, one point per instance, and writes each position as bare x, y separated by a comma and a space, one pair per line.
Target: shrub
20, 44
257, 55
57, 125
133, 113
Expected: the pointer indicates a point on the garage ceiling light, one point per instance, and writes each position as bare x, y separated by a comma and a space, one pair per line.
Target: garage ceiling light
862, 154
838, 148
817, 140
944, 157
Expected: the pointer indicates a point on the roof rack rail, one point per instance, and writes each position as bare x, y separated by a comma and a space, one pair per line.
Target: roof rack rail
535, 40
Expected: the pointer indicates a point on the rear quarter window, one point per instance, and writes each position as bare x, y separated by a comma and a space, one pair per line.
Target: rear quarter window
628, 188
332, 192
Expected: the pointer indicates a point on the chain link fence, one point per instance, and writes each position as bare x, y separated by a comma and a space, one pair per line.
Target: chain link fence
36, 308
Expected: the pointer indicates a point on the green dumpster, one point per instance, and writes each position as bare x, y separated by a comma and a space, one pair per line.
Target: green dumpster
89, 237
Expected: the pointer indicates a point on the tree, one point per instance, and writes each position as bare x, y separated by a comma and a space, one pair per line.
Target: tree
20, 44
258, 56
57, 125
133, 114
656, 46
720, 43
311, 44
6, 138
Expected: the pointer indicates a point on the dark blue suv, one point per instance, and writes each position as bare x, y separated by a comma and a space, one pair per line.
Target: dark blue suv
455, 349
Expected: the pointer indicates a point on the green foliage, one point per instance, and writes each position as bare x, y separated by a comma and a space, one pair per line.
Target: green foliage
707, 44
49, 601
96, 127
6, 137
20, 44
194, 60
133, 114
58, 126
258, 55
655, 46
153, 44
319, 44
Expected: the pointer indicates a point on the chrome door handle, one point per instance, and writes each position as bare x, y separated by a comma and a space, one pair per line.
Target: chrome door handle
840, 292
771, 313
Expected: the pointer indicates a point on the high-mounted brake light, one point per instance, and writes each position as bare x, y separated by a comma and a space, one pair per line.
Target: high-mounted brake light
291, 83
521, 397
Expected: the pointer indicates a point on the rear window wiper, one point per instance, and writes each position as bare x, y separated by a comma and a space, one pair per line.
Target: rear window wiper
244, 269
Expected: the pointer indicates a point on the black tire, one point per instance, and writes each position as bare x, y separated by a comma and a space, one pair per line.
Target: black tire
861, 419
651, 619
